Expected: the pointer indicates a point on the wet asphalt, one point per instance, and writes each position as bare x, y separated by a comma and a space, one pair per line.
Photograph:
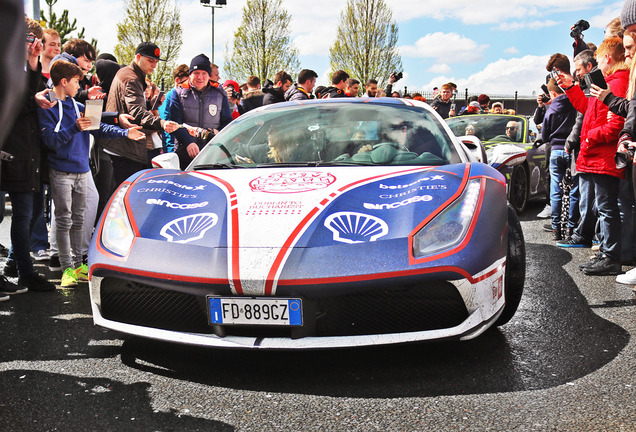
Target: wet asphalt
566, 362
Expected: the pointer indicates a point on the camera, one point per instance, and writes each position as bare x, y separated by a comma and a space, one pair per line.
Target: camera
30, 38
235, 94
625, 158
578, 28
554, 74
397, 75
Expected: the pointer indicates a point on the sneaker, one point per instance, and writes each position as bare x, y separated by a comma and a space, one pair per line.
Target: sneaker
40, 255
54, 263
547, 227
591, 262
68, 278
10, 269
546, 212
8, 288
81, 273
36, 282
603, 266
571, 243
556, 235
628, 278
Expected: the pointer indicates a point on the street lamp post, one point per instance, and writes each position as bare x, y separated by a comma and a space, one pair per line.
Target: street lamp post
218, 4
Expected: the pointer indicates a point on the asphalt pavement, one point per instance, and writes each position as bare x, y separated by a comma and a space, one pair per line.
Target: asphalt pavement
566, 362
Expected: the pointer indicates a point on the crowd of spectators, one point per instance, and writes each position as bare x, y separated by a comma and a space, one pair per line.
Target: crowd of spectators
588, 118
59, 157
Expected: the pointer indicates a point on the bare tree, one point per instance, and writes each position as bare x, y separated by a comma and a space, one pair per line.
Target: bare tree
262, 45
156, 21
366, 43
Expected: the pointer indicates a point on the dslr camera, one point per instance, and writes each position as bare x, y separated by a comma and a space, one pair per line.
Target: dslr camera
397, 75
624, 159
578, 28
544, 97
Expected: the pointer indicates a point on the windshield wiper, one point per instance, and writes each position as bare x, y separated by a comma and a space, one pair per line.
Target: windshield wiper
216, 166
309, 164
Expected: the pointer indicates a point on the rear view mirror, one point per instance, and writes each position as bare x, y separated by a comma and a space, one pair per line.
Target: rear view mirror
506, 155
166, 160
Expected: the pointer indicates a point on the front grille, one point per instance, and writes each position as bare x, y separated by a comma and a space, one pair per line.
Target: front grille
409, 308
425, 306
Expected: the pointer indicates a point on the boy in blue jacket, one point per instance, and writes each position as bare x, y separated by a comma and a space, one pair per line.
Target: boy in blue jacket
64, 132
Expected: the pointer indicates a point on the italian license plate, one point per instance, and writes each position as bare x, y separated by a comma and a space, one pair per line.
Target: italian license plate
258, 311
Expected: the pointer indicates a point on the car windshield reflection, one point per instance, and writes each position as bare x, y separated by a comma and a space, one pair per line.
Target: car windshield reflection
331, 134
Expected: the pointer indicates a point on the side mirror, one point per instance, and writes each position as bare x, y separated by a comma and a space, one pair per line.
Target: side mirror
506, 155
166, 160
474, 145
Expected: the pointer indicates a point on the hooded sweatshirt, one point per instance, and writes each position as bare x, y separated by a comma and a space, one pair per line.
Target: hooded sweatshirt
70, 146
558, 122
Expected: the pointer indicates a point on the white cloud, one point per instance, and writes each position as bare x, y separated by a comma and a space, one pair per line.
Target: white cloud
511, 50
448, 47
523, 74
479, 12
532, 25
609, 13
440, 68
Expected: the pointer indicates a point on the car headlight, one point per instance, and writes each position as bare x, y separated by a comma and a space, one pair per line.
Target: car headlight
449, 227
117, 234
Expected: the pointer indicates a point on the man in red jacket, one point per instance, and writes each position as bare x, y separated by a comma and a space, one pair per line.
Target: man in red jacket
596, 165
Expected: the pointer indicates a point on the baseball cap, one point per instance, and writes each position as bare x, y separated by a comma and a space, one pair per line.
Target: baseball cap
150, 50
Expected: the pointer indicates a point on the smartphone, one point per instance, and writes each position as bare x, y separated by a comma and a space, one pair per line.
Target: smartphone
52, 97
595, 77
157, 103
30, 38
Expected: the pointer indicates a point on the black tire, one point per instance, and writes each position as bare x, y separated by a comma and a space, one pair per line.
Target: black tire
519, 188
515, 277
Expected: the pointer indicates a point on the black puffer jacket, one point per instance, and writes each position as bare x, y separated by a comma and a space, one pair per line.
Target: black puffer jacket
23, 173
272, 95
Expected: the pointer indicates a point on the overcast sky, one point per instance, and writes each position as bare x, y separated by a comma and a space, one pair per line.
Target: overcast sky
493, 46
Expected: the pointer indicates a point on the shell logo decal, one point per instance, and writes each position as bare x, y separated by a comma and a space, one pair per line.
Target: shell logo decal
352, 227
188, 228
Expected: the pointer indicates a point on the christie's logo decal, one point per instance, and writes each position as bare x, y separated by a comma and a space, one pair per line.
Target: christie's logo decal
352, 227
180, 206
292, 182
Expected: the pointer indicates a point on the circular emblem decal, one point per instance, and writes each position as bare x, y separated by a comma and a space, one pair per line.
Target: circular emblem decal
292, 182
157, 52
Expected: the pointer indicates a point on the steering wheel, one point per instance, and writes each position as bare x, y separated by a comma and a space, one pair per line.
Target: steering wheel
394, 145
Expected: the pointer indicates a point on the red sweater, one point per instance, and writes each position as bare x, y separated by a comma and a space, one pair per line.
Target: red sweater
599, 133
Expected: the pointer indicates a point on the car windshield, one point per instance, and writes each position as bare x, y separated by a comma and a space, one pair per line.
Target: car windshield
489, 127
331, 134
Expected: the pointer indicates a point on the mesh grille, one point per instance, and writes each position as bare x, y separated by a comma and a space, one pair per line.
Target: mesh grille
407, 309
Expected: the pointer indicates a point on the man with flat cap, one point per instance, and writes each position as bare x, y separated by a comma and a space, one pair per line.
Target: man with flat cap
126, 96
200, 105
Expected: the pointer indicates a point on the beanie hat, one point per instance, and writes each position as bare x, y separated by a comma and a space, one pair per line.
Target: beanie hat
64, 56
483, 99
201, 62
628, 14
231, 83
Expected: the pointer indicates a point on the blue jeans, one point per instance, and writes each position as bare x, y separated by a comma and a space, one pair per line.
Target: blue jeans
559, 163
575, 196
584, 231
627, 212
22, 222
604, 188
39, 234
